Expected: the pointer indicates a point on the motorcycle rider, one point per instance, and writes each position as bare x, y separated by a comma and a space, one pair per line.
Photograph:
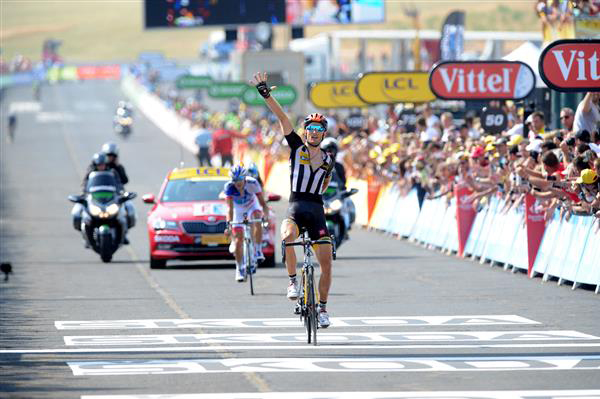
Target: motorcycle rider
111, 150
99, 163
330, 146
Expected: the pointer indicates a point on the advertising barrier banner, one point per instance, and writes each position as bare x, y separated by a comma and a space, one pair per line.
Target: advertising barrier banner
227, 89
336, 94
478, 80
99, 72
394, 87
571, 65
465, 216
193, 82
535, 229
284, 94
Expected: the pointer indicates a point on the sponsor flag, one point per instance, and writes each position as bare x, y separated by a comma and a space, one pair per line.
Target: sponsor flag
536, 226
452, 38
465, 216
373, 189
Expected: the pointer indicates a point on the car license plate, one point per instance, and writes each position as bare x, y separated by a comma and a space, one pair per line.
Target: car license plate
213, 239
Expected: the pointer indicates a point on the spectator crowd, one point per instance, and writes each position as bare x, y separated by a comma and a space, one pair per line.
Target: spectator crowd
561, 167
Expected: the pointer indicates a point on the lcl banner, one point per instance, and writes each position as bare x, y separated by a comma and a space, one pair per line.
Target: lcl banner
335, 94
394, 87
482, 80
571, 65
536, 225
465, 215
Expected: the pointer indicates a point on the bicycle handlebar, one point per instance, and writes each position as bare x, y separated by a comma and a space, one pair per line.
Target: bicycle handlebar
303, 243
248, 221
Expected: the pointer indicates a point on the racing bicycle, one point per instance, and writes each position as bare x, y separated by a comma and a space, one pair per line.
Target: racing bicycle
308, 296
249, 261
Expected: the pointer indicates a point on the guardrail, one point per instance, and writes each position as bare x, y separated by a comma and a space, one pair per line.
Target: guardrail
519, 239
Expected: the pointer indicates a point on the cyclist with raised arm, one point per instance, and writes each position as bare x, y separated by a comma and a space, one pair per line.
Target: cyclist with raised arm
310, 174
244, 197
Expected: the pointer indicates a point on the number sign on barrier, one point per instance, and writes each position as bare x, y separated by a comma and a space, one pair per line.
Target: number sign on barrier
494, 120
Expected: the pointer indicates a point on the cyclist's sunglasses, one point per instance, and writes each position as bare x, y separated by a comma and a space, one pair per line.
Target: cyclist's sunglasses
315, 128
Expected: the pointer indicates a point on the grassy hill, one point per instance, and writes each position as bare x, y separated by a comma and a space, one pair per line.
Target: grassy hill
113, 30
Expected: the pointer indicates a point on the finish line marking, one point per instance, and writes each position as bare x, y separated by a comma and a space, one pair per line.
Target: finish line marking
392, 321
342, 337
302, 347
335, 364
559, 394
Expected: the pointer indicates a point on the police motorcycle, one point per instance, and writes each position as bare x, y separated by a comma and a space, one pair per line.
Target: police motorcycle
123, 120
101, 215
340, 212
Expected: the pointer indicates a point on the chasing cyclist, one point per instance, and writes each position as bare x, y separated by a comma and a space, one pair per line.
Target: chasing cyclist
244, 197
311, 169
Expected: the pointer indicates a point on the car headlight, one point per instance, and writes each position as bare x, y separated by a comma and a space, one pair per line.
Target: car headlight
95, 210
112, 209
336, 205
161, 224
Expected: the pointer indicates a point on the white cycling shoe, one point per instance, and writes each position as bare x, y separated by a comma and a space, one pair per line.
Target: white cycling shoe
323, 319
259, 255
292, 291
240, 276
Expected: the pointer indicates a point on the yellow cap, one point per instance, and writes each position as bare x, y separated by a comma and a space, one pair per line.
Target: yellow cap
395, 147
490, 147
373, 154
515, 140
489, 139
346, 140
588, 176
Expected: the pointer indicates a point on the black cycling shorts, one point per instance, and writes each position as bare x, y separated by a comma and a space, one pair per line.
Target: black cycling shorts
309, 216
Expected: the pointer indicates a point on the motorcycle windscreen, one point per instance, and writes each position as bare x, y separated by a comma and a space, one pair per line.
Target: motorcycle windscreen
102, 181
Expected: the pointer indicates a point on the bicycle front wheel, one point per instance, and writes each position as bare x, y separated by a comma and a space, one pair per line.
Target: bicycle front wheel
311, 308
314, 313
248, 259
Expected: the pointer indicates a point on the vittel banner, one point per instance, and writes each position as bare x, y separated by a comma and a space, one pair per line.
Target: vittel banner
477, 80
571, 65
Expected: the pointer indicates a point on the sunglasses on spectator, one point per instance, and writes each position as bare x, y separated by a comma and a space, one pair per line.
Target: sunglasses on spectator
565, 116
314, 128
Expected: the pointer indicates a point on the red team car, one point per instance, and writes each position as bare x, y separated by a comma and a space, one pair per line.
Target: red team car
187, 219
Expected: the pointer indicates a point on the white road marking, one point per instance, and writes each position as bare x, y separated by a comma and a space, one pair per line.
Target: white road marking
324, 364
299, 346
341, 337
409, 321
560, 394
51, 117
25, 106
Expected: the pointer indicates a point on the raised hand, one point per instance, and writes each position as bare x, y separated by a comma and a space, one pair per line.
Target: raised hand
260, 81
